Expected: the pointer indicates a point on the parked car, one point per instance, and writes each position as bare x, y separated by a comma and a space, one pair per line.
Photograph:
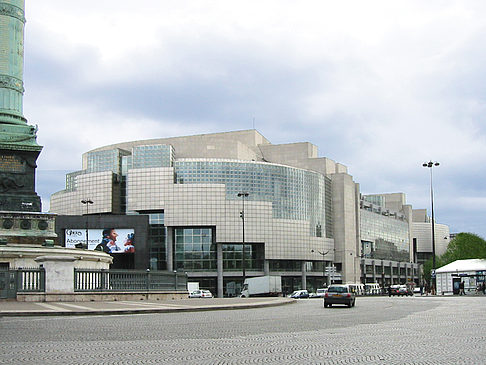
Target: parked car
200, 294
339, 294
400, 290
393, 290
405, 290
319, 293
298, 294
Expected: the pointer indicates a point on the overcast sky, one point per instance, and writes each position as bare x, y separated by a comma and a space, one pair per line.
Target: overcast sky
379, 86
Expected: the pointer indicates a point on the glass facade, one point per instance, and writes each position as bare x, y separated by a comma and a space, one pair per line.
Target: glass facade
374, 199
295, 194
285, 265
195, 249
157, 242
384, 237
152, 156
232, 254
71, 183
109, 160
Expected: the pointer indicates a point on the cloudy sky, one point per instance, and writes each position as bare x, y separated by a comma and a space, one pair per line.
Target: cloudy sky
380, 86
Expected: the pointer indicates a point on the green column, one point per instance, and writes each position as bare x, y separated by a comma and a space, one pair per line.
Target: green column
12, 23
18, 146
14, 131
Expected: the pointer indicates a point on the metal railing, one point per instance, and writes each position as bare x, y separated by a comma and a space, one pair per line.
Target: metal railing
31, 280
128, 280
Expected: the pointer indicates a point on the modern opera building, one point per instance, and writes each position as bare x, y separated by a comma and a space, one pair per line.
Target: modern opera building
197, 203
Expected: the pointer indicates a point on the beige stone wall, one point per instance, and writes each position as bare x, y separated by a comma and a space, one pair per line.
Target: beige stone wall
98, 187
346, 224
206, 205
423, 233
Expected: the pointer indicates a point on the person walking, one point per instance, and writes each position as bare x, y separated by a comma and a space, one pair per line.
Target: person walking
461, 288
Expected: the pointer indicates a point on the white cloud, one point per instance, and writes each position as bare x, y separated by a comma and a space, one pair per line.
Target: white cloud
380, 86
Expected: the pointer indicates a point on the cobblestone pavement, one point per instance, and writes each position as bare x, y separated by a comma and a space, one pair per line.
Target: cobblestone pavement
379, 330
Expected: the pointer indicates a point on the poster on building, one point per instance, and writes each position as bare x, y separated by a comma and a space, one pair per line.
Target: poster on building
109, 240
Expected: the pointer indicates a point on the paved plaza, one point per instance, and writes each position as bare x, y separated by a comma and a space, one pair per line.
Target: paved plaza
379, 330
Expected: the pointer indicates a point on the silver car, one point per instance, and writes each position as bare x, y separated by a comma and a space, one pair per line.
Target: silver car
201, 294
339, 294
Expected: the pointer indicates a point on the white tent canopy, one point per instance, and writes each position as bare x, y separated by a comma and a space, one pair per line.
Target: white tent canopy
470, 272
463, 266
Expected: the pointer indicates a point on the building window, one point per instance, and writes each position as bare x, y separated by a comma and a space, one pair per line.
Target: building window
194, 249
285, 265
233, 253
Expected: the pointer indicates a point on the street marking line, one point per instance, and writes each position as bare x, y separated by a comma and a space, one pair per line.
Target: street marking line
157, 304
22, 311
75, 306
52, 307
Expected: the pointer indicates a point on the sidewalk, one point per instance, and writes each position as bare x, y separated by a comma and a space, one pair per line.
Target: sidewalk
14, 308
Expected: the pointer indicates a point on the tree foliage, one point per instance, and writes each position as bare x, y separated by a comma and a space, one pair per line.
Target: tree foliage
464, 246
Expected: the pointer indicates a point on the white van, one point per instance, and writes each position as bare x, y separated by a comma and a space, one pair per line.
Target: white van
357, 289
372, 289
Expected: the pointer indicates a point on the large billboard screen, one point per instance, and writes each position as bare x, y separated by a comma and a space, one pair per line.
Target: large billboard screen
109, 240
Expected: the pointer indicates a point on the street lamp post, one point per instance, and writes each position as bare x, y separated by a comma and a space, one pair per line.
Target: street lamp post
430, 165
87, 202
323, 264
242, 216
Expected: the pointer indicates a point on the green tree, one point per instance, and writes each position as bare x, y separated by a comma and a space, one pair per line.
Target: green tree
464, 246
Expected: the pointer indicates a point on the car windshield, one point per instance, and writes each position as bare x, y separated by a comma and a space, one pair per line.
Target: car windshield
338, 289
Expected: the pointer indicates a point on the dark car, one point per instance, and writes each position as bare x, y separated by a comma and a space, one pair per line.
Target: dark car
393, 290
339, 294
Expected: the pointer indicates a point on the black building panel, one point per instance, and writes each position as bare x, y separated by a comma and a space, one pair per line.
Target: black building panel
138, 260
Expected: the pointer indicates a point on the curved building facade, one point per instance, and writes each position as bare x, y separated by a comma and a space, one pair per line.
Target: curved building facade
214, 199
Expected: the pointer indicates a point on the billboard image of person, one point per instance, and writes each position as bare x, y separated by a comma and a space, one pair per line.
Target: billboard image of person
129, 245
109, 240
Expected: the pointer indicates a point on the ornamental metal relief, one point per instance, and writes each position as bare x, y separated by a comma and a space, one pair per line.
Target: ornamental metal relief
13, 11
10, 183
7, 223
13, 83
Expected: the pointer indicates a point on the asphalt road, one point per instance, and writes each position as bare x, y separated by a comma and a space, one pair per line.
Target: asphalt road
379, 330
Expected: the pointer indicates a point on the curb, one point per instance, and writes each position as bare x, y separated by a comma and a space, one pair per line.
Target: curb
98, 312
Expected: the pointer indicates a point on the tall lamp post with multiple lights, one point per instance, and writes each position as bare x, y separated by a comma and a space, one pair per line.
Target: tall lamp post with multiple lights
430, 165
323, 265
242, 216
87, 202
